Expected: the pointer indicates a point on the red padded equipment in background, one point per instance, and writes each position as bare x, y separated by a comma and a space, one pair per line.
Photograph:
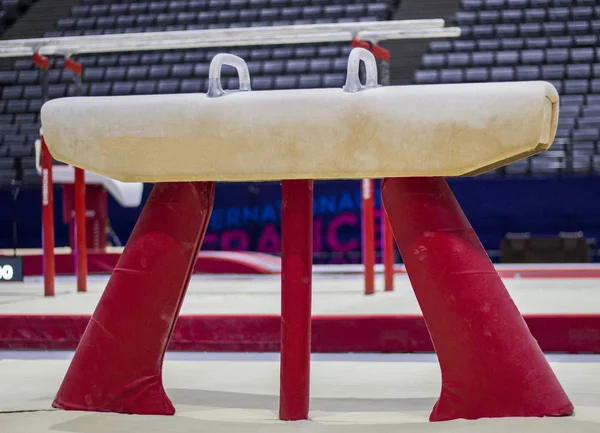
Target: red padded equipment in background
96, 215
491, 365
118, 364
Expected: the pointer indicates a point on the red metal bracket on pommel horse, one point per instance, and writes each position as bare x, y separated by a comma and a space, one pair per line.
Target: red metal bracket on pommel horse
411, 136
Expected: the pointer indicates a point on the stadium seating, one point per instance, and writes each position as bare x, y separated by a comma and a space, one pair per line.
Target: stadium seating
552, 40
503, 40
279, 67
11, 10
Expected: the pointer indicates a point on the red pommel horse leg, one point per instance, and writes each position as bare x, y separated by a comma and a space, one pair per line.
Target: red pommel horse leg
491, 365
117, 365
296, 286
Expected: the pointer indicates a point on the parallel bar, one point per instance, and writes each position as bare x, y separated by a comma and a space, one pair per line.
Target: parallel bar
296, 30
296, 286
374, 32
368, 236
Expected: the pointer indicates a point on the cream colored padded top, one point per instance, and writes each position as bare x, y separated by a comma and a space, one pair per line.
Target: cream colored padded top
437, 130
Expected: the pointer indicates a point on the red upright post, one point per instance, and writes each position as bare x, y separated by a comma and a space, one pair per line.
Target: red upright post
48, 267
296, 285
368, 235
80, 202
80, 231
387, 238
388, 247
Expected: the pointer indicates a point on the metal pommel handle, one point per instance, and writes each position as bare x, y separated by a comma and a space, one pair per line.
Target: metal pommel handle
215, 89
353, 83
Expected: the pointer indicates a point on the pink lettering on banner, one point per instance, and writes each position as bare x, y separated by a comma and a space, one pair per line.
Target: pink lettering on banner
318, 235
269, 241
235, 240
333, 240
377, 216
211, 241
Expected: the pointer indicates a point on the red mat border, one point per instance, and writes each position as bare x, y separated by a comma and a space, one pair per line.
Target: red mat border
330, 334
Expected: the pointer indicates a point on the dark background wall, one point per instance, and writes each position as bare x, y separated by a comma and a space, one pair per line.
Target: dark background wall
246, 216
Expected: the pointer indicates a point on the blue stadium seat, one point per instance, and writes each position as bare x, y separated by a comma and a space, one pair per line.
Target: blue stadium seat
535, 15
286, 82
80, 11
442, 46
168, 86
262, 83
182, 70
434, 60
282, 53
510, 44
192, 86
537, 43
115, 73
507, 58
273, 67
122, 88
477, 75
145, 87
32, 92
527, 73
297, 66
459, 46
137, 72
451, 75
320, 65
458, 59
106, 22
576, 87
159, 71
579, 71
483, 59
12, 92
334, 80
28, 77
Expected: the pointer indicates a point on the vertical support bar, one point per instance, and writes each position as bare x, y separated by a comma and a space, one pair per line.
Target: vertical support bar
388, 248
387, 238
296, 286
80, 231
48, 264
79, 199
368, 235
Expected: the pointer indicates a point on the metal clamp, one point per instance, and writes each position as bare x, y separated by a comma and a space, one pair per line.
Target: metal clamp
215, 89
353, 83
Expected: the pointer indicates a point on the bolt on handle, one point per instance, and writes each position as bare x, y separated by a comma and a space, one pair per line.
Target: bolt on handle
353, 83
215, 89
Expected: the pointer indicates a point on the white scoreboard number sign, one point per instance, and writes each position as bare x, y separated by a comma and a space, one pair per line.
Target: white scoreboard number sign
11, 269
7, 272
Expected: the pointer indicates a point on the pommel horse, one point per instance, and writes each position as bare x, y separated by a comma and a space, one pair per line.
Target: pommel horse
411, 136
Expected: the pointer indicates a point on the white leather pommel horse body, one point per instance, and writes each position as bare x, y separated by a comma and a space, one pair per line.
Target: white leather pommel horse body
410, 136
438, 130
